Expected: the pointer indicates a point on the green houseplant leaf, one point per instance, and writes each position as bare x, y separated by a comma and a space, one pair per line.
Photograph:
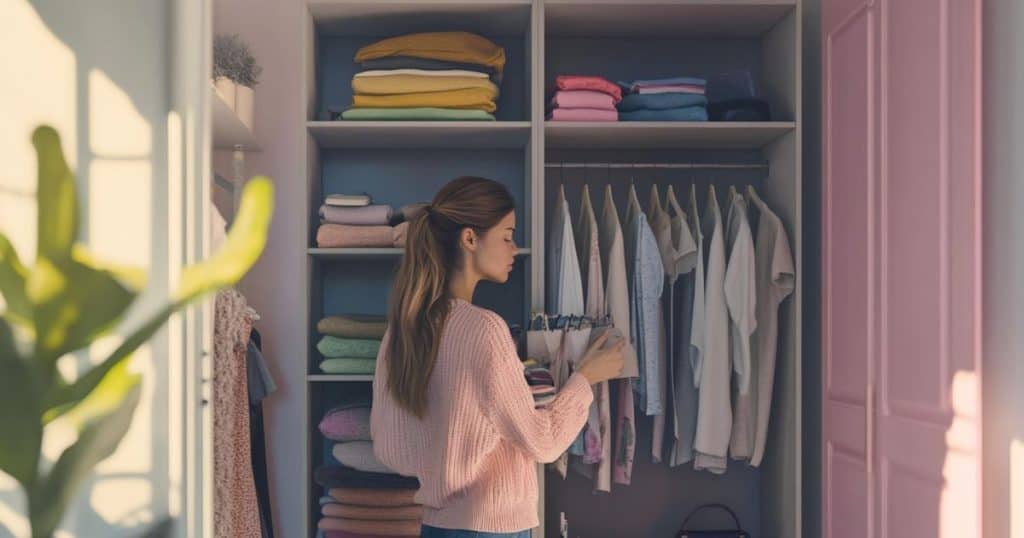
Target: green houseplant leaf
103, 418
19, 413
12, 283
241, 249
72, 301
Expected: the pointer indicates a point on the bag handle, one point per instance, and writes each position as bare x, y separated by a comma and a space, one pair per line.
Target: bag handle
723, 507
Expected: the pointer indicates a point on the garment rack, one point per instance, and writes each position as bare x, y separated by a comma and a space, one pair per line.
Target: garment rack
753, 166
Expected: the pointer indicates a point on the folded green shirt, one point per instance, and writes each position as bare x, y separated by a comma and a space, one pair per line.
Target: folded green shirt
333, 346
416, 114
348, 365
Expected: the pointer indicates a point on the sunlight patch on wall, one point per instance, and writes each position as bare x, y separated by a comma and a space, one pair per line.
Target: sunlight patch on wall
116, 129
120, 202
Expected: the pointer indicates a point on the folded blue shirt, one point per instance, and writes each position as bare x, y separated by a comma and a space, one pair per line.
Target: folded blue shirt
660, 101
690, 113
693, 81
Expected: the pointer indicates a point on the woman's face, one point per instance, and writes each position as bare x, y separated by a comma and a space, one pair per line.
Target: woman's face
495, 250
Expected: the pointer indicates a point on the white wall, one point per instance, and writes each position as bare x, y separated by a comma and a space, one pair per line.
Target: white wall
1003, 214
275, 287
100, 73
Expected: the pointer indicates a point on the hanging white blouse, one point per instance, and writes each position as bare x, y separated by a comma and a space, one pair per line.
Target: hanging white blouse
776, 279
741, 298
564, 284
714, 413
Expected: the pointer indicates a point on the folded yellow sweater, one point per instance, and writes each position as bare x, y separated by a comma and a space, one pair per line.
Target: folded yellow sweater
469, 98
450, 46
402, 84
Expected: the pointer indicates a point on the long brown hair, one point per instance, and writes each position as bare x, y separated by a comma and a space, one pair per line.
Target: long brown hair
420, 299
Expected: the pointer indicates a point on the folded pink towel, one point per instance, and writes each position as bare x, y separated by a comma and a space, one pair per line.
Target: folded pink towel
385, 513
579, 82
347, 534
403, 527
346, 424
368, 215
675, 88
582, 99
583, 114
350, 236
373, 497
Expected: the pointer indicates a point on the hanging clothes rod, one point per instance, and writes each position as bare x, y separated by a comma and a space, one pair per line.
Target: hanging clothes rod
749, 166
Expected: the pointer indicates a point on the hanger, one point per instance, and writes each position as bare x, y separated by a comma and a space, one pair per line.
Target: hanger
752, 194
732, 193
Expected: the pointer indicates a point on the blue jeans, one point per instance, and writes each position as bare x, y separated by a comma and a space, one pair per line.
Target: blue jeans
435, 532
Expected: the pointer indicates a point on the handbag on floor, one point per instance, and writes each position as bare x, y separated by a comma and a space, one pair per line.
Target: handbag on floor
738, 532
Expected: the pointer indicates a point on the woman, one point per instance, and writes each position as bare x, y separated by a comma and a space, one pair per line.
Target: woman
450, 403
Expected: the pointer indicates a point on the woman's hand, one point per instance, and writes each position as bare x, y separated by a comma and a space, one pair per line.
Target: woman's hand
599, 364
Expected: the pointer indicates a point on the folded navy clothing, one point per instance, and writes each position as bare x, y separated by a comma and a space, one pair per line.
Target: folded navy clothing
748, 109
412, 62
690, 113
339, 476
660, 101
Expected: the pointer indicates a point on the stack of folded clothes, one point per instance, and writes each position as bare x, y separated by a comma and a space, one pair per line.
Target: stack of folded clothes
363, 497
349, 344
427, 76
541, 382
348, 221
667, 99
584, 98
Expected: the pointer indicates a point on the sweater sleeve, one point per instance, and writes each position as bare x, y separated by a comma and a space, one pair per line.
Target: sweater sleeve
544, 433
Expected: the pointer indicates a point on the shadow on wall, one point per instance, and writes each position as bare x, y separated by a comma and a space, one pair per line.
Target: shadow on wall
109, 97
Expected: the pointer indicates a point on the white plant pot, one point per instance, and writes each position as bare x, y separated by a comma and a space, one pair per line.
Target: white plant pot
226, 90
245, 98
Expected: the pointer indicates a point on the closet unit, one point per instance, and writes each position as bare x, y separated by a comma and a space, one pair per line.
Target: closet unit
403, 162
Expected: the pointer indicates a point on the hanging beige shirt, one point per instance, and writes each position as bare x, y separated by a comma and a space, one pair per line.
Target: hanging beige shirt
613, 265
776, 279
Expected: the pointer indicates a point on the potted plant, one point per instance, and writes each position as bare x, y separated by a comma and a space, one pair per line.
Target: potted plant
235, 74
62, 303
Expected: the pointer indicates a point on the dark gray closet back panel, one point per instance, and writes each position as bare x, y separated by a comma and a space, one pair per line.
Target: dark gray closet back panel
636, 58
336, 69
659, 496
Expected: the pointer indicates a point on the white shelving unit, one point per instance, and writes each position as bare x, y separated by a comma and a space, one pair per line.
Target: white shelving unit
231, 134
544, 38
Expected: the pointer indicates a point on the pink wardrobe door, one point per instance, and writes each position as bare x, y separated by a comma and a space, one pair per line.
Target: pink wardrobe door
928, 414
901, 260
849, 158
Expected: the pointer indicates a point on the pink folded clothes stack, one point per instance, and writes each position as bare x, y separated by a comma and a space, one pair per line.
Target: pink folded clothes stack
584, 98
330, 235
351, 221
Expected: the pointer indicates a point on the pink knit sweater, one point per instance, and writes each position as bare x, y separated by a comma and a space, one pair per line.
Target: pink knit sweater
475, 452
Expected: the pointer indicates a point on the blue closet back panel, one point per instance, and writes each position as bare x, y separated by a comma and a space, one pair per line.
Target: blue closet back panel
335, 71
659, 497
404, 176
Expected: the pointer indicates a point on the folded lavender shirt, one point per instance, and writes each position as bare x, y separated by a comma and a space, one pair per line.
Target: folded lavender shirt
366, 215
583, 114
582, 99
